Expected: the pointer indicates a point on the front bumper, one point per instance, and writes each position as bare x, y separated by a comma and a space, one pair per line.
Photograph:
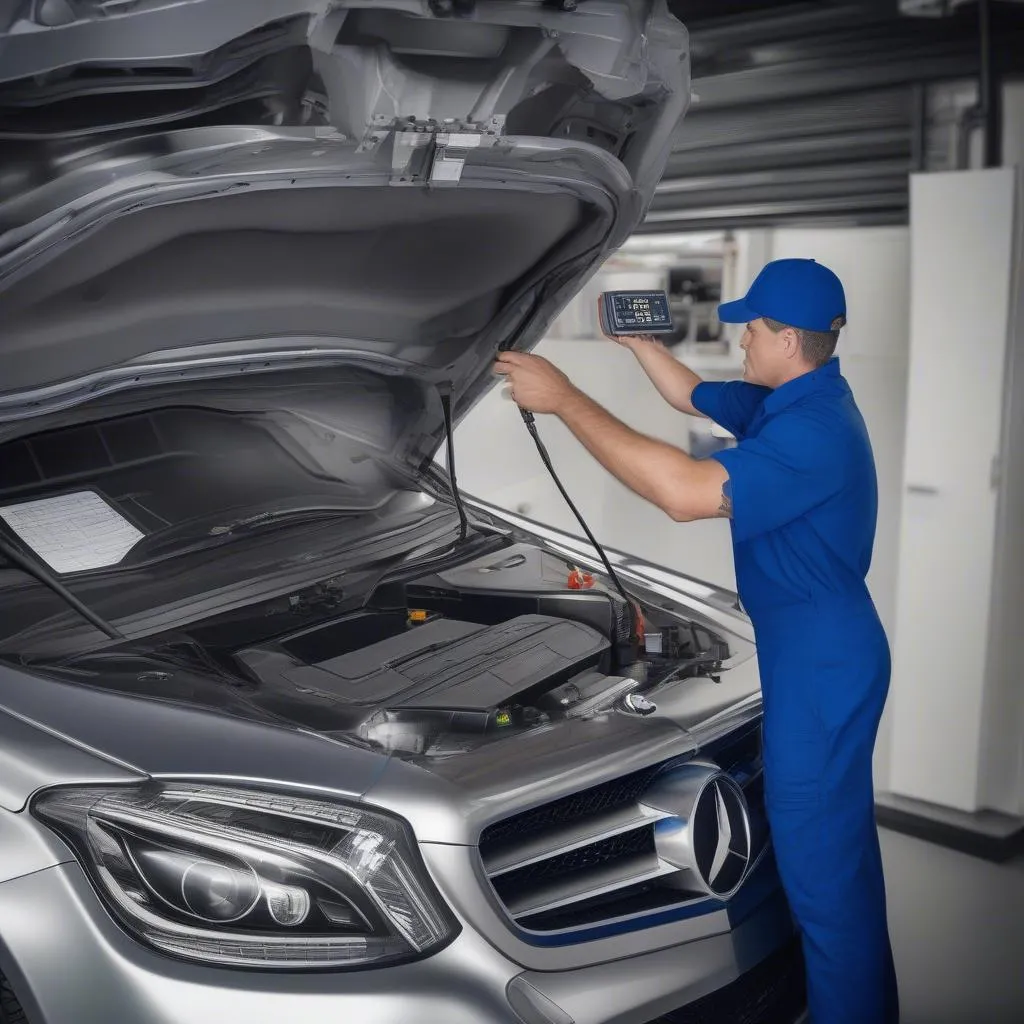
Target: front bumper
71, 964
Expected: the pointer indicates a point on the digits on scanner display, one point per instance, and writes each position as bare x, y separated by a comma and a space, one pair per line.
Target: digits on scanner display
624, 313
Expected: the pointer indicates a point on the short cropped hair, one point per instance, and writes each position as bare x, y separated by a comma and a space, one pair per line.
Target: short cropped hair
818, 347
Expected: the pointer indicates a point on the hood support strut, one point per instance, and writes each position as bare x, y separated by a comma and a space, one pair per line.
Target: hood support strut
29, 565
446, 405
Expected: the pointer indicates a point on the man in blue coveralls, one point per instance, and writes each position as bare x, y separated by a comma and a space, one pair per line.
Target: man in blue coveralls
800, 490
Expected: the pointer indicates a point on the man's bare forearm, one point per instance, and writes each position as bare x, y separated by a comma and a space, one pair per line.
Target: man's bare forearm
666, 476
679, 485
675, 381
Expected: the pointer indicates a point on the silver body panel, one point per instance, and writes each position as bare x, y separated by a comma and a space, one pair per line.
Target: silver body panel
32, 757
158, 739
27, 848
53, 918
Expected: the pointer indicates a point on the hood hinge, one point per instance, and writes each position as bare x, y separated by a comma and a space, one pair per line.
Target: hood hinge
429, 152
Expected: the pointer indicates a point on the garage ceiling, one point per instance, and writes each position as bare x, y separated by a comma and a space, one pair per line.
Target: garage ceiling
816, 113
805, 112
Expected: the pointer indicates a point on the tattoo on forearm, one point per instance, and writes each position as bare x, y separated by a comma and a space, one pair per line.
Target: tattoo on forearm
725, 509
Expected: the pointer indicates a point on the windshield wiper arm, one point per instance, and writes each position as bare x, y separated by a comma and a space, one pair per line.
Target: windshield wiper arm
40, 572
187, 538
280, 515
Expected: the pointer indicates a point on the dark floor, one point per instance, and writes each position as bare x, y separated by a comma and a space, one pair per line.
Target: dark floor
957, 927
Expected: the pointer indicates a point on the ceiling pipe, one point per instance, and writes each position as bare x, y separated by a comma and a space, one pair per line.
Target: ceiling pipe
990, 110
986, 114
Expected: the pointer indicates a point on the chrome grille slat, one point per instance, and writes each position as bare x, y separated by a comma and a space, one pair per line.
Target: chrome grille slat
587, 885
569, 837
597, 856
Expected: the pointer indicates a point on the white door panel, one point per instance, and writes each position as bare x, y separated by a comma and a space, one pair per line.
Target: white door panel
961, 246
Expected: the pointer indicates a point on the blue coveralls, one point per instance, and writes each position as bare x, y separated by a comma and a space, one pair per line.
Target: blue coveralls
804, 492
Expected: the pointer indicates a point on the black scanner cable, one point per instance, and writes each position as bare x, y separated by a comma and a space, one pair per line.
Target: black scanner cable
531, 426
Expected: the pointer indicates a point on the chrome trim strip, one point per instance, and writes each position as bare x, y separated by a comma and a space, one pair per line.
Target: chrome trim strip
571, 837
596, 882
690, 902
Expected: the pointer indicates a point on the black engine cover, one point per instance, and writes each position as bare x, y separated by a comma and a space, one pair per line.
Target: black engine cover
443, 664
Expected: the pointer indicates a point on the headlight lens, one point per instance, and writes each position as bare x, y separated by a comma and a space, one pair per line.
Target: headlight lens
244, 878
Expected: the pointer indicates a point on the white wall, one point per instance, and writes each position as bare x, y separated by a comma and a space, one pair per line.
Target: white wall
961, 231
1001, 779
1002, 767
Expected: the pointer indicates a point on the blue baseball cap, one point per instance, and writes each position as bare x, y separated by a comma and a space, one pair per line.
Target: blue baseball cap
798, 293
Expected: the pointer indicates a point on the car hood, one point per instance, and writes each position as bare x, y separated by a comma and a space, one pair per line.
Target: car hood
205, 189
130, 714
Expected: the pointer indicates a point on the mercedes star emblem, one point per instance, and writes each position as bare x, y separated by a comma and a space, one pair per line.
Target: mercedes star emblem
702, 832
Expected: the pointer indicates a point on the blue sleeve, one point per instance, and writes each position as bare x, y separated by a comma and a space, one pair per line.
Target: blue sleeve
731, 404
793, 465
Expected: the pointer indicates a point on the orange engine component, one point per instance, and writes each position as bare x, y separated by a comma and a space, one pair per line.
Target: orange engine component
580, 580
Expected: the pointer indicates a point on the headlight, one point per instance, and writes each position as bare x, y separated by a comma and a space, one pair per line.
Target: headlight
253, 879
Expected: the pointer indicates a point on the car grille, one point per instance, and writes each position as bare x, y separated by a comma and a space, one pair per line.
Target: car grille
772, 993
590, 857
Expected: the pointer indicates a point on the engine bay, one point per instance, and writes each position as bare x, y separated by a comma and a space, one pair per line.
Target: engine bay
394, 650
427, 664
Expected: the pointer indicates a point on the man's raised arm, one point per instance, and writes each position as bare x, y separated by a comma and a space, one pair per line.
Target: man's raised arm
674, 381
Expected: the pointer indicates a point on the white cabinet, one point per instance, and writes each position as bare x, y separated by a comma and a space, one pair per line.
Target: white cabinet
957, 714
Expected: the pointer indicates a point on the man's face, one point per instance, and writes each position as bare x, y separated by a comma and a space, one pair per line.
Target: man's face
764, 353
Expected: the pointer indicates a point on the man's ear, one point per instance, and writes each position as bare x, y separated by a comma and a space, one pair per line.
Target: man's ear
791, 343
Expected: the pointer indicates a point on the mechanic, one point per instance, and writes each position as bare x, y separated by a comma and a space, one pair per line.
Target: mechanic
799, 488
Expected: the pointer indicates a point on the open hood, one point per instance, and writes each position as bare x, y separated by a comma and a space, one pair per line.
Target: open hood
208, 188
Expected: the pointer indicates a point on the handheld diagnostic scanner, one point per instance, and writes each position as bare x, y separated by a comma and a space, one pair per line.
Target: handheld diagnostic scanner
625, 313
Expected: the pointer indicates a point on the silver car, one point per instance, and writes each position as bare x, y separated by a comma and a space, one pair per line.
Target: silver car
288, 729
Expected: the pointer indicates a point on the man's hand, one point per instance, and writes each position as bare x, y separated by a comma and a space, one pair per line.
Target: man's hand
535, 384
630, 341
635, 341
